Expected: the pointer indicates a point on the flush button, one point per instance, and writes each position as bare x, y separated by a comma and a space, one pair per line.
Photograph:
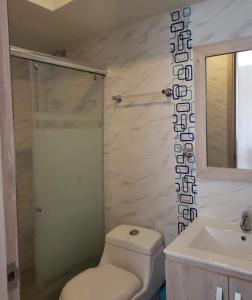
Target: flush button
134, 232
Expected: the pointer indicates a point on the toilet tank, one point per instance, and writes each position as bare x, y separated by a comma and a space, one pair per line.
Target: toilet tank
136, 249
136, 239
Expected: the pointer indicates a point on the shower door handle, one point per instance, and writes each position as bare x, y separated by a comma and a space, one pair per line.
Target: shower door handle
38, 209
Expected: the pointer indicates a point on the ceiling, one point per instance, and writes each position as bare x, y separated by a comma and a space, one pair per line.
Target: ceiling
36, 28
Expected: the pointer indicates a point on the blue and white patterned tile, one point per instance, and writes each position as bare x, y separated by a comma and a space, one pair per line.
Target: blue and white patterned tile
184, 117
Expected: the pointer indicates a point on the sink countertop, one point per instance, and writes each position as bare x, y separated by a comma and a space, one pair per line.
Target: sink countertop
215, 243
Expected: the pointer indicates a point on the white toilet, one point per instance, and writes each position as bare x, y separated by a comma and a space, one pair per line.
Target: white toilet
131, 268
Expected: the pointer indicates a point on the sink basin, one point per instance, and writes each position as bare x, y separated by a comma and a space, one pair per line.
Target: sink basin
214, 242
224, 242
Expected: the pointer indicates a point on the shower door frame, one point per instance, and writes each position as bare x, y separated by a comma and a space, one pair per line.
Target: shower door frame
8, 207
53, 60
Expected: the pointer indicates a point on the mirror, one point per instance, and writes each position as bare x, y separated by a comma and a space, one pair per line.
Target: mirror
228, 110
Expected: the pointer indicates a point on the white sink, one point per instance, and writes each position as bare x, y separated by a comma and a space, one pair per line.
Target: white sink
215, 242
225, 242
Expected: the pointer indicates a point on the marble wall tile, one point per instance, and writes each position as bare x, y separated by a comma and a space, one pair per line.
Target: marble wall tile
139, 42
219, 20
138, 157
138, 140
224, 20
223, 199
138, 133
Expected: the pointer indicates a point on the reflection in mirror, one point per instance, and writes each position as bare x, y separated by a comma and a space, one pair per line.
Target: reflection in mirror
229, 103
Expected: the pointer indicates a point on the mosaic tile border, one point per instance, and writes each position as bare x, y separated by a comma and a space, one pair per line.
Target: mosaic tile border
184, 115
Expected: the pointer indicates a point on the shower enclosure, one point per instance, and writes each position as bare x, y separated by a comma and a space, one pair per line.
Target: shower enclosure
58, 119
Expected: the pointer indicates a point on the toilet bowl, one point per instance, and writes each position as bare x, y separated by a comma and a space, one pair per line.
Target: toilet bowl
131, 268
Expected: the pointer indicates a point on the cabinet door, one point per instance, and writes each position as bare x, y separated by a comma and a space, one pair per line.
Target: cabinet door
185, 282
240, 289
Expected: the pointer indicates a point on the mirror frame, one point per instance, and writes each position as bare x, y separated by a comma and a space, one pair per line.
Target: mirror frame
200, 53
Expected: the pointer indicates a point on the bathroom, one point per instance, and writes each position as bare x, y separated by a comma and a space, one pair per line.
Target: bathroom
90, 140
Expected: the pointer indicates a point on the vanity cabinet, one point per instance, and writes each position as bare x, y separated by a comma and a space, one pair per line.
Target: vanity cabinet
187, 282
240, 289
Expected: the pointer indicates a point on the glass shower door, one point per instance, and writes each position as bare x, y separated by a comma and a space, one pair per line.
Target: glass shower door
68, 171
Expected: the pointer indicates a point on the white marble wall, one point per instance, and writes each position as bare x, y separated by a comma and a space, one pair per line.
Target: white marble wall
214, 21
138, 139
219, 20
138, 154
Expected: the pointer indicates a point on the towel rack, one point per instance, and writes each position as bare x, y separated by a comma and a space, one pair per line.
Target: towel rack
119, 98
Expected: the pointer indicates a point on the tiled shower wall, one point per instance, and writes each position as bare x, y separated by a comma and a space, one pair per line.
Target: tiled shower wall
138, 155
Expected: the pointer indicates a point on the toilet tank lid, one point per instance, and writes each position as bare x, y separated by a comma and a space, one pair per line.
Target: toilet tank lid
135, 238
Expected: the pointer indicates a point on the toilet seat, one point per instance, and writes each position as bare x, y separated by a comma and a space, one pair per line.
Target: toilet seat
105, 282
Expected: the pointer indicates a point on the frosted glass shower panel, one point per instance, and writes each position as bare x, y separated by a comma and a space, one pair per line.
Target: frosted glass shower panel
68, 171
